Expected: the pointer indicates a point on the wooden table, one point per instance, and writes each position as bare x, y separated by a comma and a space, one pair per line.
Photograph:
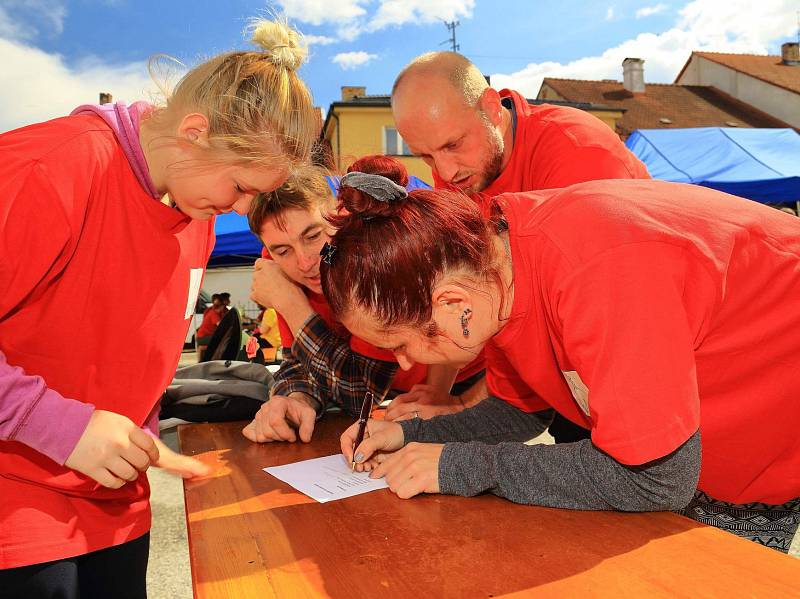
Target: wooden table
250, 535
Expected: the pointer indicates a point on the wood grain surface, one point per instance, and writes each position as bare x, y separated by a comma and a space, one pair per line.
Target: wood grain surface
251, 535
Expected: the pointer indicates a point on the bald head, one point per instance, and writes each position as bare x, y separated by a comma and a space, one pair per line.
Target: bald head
436, 68
449, 116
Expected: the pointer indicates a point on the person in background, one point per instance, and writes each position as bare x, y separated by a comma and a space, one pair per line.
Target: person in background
265, 336
651, 313
99, 209
291, 222
215, 303
211, 319
269, 329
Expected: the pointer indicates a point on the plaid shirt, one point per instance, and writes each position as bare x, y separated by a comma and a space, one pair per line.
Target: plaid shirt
322, 365
292, 376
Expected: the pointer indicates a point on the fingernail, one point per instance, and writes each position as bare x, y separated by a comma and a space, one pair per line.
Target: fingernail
359, 457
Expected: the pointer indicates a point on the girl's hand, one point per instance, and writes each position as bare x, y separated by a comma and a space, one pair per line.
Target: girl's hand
178, 464
112, 450
379, 438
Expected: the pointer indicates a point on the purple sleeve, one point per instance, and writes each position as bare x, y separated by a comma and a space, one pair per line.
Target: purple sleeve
150, 425
39, 417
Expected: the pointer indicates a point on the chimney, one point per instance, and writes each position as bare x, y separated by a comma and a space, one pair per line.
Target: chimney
105, 98
790, 54
633, 75
350, 92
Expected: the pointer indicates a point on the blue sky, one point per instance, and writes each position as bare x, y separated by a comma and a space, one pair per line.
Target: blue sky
57, 53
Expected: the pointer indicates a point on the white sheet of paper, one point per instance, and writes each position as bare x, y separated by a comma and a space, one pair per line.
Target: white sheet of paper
326, 479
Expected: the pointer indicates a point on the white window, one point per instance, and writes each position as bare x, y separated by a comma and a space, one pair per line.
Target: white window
393, 144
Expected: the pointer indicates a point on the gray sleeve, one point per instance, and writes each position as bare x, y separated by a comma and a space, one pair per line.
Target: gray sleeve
571, 475
490, 421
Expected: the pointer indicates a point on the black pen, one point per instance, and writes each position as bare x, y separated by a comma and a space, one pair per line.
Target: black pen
366, 410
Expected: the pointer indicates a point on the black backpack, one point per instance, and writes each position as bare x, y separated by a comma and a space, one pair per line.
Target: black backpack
226, 342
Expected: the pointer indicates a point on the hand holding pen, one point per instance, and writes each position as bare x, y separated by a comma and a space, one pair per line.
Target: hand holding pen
363, 417
366, 442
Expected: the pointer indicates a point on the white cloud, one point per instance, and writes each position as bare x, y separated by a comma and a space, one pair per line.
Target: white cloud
351, 18
705, 25
349, 31
11, 29
400, 12
353, 60
319, 40
650, 10
36, 86
53, 13
39, 16
610, 13
318, 12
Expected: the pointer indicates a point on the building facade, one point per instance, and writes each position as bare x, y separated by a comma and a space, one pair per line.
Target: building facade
360, 125
767, 82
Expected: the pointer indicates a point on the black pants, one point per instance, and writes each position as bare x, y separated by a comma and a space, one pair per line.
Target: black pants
566, 431
118, 572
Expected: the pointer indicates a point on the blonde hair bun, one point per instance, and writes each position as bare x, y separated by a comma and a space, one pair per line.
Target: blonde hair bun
282, 43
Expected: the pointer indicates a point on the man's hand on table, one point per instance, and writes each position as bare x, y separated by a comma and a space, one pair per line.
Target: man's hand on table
280, 416
423, 401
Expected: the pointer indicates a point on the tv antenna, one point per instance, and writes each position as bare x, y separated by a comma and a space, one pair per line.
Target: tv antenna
451, 27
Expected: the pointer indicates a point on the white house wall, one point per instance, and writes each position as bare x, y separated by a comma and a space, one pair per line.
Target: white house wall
774, 100
236, 281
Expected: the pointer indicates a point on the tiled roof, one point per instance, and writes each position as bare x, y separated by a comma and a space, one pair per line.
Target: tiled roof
665, 106
767, 68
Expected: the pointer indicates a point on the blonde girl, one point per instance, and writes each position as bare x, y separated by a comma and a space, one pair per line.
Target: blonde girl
106, 224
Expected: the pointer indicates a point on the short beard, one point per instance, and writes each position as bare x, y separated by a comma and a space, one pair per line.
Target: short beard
492, 167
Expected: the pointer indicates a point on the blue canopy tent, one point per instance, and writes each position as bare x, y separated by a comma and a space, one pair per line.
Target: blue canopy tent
758, 164
236, 245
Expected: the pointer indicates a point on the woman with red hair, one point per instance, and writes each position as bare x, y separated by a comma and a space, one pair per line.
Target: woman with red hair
648, 312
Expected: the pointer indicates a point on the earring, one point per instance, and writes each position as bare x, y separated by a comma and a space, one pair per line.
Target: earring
465, 322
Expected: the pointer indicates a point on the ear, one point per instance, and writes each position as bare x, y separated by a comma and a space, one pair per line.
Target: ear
194, 128
451, 299
490, 104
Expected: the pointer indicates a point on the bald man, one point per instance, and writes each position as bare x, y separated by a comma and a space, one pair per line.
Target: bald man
484, 143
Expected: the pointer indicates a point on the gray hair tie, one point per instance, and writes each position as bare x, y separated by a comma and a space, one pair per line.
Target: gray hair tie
376, 186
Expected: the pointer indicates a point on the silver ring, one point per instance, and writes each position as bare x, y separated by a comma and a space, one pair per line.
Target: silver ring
416, 414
